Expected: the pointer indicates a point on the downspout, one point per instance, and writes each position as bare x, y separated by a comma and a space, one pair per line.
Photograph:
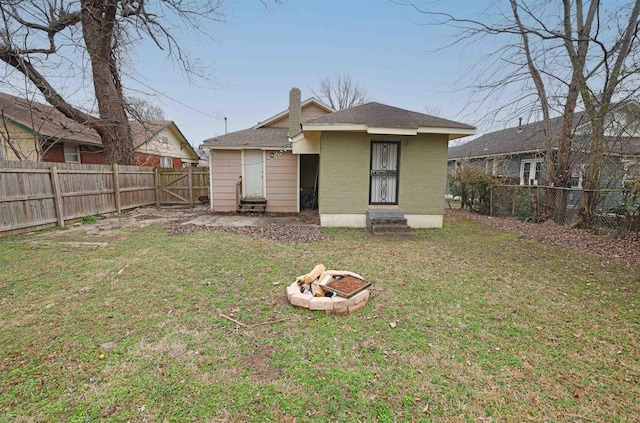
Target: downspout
210, 179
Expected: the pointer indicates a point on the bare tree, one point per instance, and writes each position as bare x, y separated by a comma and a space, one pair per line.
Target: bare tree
341, 93
561, 56
35, 31
142, 110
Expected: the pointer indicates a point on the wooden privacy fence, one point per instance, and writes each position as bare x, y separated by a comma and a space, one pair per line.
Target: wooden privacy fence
36, 195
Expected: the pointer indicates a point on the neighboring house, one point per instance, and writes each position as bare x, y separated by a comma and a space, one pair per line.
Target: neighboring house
37, 132
367, 159
518, 154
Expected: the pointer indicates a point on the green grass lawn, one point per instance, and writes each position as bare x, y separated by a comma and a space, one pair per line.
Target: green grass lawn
487, 325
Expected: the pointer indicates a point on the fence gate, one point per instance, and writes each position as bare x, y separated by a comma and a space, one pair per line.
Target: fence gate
181, 186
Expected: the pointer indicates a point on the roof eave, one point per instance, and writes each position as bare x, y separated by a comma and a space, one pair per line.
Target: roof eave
244, 147
453, 133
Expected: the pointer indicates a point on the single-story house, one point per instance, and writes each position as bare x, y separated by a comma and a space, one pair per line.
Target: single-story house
38, 132
519, 154
360, 161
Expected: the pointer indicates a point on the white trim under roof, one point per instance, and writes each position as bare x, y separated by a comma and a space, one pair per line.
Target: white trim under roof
246, 147
378, 130
286, 112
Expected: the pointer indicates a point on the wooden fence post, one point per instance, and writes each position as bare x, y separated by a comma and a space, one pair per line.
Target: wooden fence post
157, 177
190, 182
57, 198
116, 189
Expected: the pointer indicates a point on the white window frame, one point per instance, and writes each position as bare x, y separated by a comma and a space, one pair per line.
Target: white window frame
164, 160
491, 167
71, 151
533, 166
577, 169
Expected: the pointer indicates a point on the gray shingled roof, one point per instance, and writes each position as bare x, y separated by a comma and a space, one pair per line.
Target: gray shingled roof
47, 121
259, 137
381, 115
513, 140
371, 114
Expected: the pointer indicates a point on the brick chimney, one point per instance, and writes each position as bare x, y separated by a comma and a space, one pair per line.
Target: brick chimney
295, 111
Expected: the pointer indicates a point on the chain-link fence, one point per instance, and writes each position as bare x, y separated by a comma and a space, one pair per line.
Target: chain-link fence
614, 209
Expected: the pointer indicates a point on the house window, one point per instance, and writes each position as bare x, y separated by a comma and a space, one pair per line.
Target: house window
530, 171
576, 177
71, 153
166, 162
491, 167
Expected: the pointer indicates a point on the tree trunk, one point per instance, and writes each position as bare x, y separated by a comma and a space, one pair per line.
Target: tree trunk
591, 180
98, 28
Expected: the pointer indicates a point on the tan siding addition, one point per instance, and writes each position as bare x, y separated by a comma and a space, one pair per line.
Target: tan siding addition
282, 183
226, 170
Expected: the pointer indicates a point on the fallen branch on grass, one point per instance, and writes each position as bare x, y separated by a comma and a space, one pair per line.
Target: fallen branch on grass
250, 325
233, 320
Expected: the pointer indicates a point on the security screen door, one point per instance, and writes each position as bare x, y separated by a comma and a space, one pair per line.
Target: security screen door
385, 161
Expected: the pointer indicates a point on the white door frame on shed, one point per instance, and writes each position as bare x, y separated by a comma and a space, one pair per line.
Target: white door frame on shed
253, 171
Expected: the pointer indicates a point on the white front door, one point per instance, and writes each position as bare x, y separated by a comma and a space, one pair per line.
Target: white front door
253, 161
530, 171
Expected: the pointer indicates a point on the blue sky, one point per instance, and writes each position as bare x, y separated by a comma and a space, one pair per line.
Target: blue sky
260, 53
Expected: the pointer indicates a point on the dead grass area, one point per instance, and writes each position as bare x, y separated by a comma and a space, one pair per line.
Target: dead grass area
271, 231
626, 249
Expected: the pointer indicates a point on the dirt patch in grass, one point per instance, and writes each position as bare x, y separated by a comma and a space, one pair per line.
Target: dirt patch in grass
271, 231
625, 249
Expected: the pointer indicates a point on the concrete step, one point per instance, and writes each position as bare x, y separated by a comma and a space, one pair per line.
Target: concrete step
387, 221
391, 230
249, 205
379, 228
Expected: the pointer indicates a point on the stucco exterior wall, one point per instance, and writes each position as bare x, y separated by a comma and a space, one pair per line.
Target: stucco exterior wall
423, 174
167, 143
345, 165
225, 170
344, 173
21, 139
282, 183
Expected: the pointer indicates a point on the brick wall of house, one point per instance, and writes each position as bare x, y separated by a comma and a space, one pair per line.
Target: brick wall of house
177, 162
54, 154
147, 160
92, 155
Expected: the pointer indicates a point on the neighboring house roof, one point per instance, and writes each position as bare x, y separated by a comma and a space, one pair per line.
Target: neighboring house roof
529, 138
47, 121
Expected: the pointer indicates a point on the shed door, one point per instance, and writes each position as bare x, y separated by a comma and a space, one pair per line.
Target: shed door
253, 173
385, 161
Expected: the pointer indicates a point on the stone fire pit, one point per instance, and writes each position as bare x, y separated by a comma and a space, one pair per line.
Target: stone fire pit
329, 291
